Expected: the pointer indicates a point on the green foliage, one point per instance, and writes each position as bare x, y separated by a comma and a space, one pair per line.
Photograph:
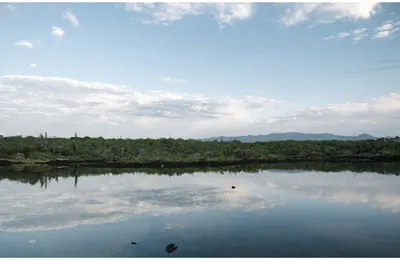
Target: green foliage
18, 157
179, 150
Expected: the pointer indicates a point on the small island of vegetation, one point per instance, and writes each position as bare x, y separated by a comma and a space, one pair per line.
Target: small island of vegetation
167, 152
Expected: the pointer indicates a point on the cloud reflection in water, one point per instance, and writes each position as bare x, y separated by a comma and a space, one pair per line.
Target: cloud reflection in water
101, 199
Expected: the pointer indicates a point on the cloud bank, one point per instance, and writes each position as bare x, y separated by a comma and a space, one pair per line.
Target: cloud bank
62, 106
54, 103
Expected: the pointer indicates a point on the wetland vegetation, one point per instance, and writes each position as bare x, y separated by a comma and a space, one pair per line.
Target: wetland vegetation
159, 153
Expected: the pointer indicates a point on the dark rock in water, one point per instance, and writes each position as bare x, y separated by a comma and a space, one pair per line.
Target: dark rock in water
171, 248
133, 243
233, 187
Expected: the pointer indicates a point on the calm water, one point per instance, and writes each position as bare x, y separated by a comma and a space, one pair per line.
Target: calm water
270, 213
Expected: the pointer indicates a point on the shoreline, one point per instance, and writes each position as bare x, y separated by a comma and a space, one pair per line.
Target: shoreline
45, 174
199, 163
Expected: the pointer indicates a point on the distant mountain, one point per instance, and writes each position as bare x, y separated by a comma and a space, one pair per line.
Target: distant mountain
290, 136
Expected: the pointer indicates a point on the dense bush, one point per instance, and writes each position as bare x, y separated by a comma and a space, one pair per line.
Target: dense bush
143, 150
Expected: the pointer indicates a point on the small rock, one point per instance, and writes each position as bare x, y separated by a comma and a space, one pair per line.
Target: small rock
171, 248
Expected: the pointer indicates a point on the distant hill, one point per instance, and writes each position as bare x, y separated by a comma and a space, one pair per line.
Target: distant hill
290, 136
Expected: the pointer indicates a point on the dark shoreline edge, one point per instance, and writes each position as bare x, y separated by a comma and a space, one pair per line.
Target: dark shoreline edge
180, 164
45, 174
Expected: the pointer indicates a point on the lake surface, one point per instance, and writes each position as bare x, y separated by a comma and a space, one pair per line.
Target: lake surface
270, 213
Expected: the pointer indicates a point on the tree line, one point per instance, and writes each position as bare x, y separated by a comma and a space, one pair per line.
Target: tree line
19, 148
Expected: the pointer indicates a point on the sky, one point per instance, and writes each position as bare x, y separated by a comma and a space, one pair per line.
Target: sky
195, 70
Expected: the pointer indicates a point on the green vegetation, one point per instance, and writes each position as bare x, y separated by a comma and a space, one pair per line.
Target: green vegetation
43, 174
179, 152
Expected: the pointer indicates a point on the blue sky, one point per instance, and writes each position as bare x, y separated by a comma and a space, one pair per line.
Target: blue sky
195, 70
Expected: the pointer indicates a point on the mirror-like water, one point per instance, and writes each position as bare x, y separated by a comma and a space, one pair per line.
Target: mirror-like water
270, 213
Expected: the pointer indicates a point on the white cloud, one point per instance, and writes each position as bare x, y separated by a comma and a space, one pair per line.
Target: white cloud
229, 13
10, 7
382, 34
174, 80
328, 12
72, 18
379, 116
331, 37
343, 34
385, 27
24, 43
359, 31
71, 105
57, 32
63, 106
167, 13
385, 30
33, 65
357, 35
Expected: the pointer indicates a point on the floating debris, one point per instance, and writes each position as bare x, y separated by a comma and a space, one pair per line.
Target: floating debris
133, 243
233, 187
171, 248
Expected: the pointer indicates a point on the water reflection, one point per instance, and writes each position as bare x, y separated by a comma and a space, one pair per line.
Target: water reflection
45, 175
100, 199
